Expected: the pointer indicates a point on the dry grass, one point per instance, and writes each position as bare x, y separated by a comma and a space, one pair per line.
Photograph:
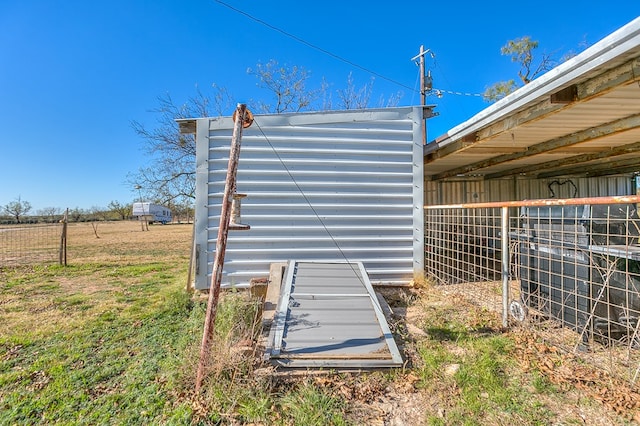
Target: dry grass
124, 240
102, 274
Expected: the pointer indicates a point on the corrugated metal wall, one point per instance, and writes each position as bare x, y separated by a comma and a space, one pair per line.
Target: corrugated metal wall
478, 190
321, 186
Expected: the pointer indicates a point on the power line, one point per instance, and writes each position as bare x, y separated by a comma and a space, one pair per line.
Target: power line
307, 200
438, 92
313, 46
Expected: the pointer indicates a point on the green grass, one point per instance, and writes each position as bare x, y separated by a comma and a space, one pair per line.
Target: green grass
309, 405
127, 355
118, 343
485, 381
118, 368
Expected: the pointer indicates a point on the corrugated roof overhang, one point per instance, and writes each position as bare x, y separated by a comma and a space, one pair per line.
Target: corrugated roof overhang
580, 119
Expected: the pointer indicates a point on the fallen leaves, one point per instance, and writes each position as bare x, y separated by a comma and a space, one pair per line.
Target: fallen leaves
566, 370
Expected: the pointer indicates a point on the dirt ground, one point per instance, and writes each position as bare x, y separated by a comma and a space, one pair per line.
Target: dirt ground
610, 401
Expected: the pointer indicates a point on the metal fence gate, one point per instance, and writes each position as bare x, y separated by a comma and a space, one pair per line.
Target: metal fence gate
572, 262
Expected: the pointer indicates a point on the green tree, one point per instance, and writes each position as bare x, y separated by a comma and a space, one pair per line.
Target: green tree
183, 211
76, 214
18, 209
499, 90
121, 211
521, 51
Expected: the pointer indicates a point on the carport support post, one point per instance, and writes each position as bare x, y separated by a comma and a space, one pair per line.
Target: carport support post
505, 265
221, 244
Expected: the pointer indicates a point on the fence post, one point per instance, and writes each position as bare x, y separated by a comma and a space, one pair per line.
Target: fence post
190, 288
63, 239
506, 267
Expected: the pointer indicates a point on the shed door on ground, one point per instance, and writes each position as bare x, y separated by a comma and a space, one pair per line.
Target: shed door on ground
328, 316
336, 185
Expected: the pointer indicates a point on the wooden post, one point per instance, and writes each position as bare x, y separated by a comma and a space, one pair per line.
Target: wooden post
189, 288
221, 244
423, 94
63, 240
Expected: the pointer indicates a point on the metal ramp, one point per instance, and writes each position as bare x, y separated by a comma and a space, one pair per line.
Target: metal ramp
328, 316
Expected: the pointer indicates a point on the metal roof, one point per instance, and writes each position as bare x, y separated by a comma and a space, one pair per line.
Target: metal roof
328, 315
581, 118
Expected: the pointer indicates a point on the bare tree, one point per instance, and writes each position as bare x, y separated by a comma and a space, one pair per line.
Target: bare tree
96, 215
50, 213
18, 209
324, 95
171, 174
183, 210
287, 84
354, 98
76, 214
391, 101
521, 51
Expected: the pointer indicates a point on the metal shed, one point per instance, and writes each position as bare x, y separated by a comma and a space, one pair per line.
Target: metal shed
326, 186
579, 122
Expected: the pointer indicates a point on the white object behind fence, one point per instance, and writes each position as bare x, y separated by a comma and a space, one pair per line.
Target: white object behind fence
152, 212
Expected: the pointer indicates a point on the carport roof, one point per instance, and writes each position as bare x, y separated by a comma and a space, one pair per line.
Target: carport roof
581, 118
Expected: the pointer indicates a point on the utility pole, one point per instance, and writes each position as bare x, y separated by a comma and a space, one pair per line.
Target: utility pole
425, 84
423, 92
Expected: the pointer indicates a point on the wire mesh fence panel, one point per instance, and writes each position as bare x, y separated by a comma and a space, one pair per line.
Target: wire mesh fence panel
573, 272
29, 244
462, 251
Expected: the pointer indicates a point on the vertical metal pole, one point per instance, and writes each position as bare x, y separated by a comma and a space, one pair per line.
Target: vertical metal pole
423, 94
506, 267
221, 244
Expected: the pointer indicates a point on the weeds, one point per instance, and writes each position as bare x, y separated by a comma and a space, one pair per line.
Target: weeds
115, 339
309, 405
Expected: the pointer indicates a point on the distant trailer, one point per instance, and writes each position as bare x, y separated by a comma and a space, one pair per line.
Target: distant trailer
152, 212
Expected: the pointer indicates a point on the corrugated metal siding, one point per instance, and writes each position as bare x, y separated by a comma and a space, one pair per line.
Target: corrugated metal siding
479, 190
320, 186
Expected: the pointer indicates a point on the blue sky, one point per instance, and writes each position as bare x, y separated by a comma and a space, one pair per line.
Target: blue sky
75, 74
